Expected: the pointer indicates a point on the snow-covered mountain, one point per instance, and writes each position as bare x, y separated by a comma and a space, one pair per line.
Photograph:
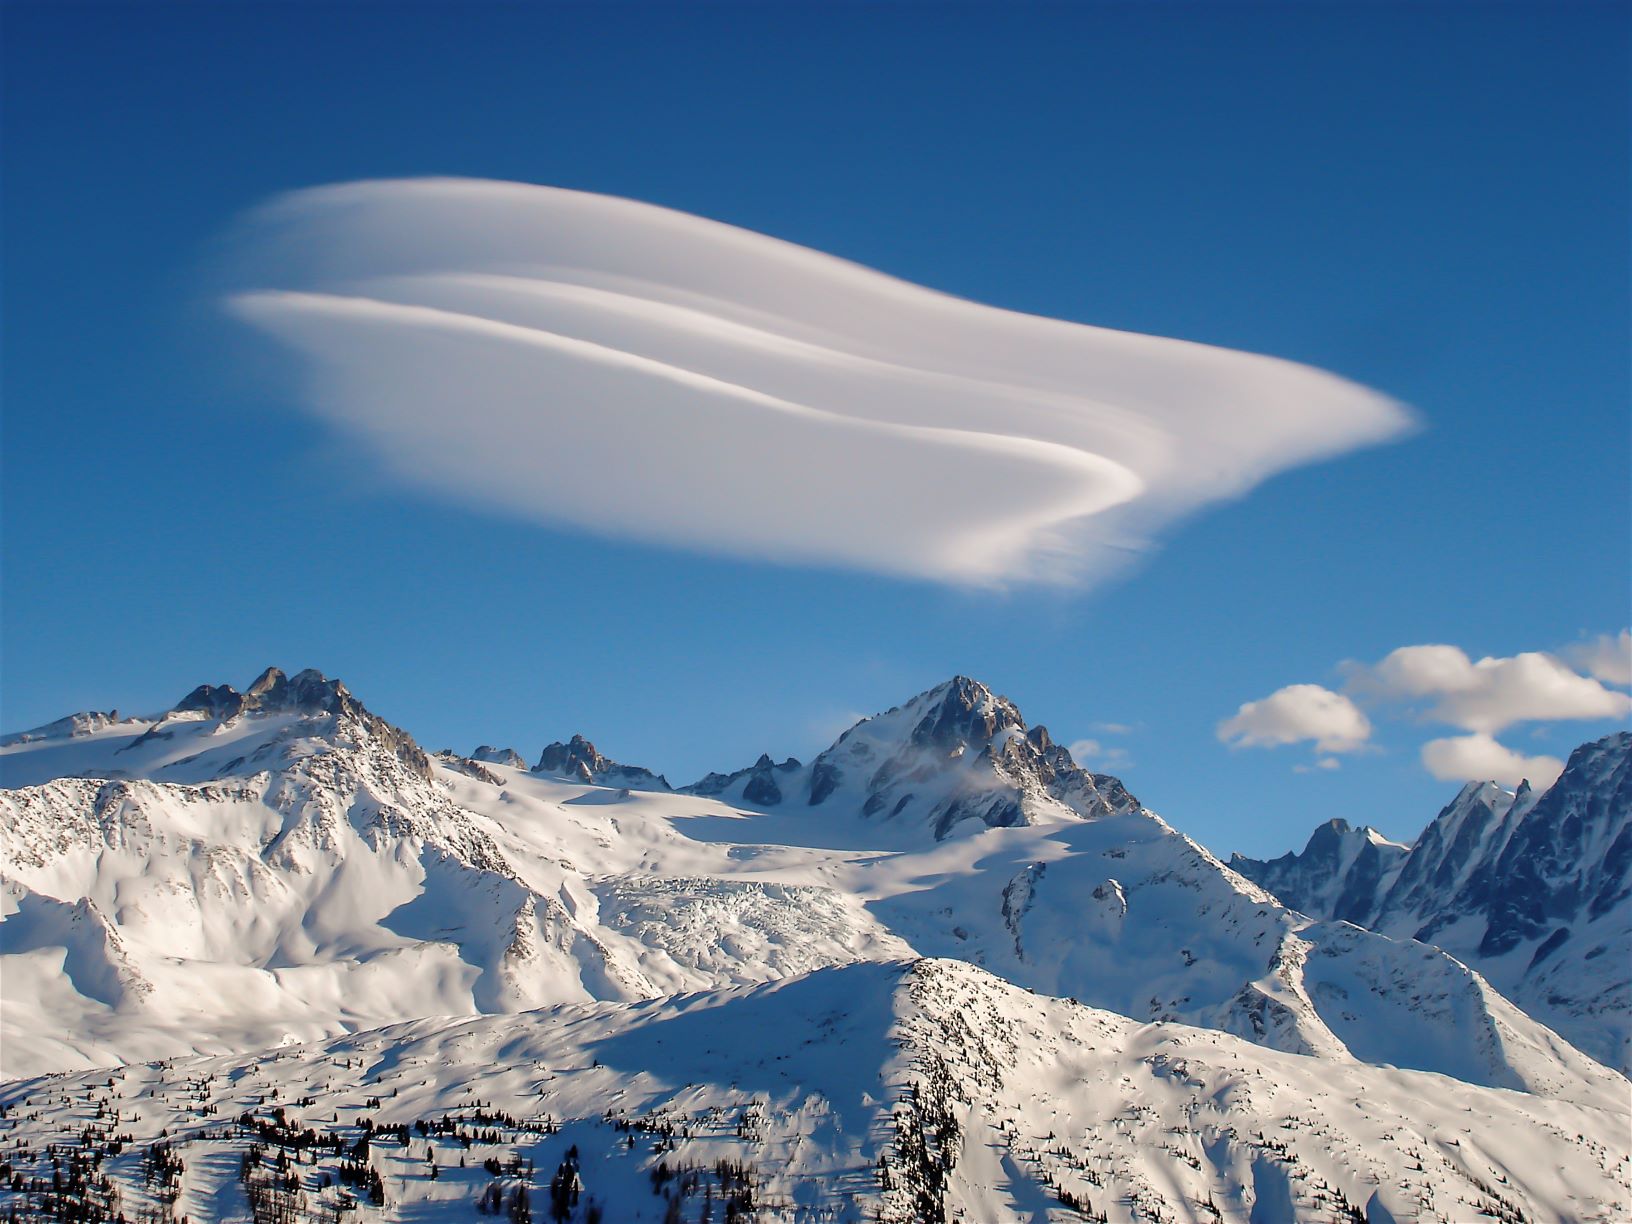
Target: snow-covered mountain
889, 1091
1339, 874
955, 753
254, 870
1534, 891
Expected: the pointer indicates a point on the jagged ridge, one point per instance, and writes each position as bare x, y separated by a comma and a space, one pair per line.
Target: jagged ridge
1533, 890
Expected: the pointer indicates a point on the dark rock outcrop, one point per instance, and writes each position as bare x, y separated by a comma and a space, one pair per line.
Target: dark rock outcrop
761, 788
579, 759
490, 755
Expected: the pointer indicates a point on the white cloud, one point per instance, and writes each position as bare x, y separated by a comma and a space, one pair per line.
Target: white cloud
579, 359
1295, 713
1325, 763
1479, 758
1092, 752
1490, 694
1607, 656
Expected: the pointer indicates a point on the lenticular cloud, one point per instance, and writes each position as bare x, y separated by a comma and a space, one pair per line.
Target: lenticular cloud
577, 358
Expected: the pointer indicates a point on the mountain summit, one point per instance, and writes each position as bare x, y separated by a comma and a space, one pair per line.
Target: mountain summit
578, 758
953, 754
214, 732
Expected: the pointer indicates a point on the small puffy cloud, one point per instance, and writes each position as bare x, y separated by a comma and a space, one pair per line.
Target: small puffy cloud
1297, 713
1094, 752
1479, 758
1607, 657
576, 359
1490, 694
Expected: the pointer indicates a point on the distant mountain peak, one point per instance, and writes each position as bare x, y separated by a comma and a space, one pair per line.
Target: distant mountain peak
1529, 888
580, 759
273, 692
760, 785
326, 714
957, 752
1337, 875
86, 722
490, 755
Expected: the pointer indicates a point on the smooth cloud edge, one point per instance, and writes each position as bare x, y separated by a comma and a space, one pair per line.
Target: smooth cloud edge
1061, 550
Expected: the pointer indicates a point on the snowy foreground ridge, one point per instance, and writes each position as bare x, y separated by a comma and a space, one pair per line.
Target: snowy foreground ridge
264, 958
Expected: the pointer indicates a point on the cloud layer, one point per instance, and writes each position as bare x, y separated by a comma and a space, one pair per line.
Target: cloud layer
580, 359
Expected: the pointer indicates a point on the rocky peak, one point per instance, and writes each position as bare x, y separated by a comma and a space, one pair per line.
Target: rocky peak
490, 755
1468, 834
760, 785
579, 759
960, 752
273, 692
1338, 874
1568, 858
212, 700
962, 712
272, 680
313, 697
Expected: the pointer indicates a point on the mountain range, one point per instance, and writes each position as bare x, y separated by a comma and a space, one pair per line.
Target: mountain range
1533, 890
939, 969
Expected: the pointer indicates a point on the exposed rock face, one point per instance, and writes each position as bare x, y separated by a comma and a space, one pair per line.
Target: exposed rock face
469, 766
1569, 859
308, 692
1534, 891
1339, 875
578, 758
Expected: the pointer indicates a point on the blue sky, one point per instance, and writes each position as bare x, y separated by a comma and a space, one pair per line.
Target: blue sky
1431, 200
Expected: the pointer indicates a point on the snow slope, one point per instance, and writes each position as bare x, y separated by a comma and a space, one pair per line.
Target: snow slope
917, 1091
